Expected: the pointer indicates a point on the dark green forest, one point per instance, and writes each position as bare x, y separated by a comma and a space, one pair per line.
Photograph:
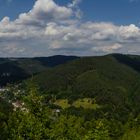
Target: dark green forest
81, 98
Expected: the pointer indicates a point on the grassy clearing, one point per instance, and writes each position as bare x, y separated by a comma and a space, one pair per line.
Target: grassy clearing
62, 103
87, 103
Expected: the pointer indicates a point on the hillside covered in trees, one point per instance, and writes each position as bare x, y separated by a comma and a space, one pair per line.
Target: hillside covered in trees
76, 98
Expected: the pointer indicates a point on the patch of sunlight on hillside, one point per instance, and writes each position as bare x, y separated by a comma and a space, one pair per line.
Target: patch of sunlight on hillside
62, 103
86, 103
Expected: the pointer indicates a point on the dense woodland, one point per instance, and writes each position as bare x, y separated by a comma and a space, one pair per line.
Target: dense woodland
88, 98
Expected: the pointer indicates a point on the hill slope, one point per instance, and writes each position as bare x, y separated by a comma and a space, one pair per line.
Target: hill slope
89, 72
109, 82
16, 69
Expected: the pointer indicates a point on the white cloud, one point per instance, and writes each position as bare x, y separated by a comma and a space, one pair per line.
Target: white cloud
129, 33
44, 11
107, 49
74, 5
49, 29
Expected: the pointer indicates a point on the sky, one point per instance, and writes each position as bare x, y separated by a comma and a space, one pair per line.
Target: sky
30, 28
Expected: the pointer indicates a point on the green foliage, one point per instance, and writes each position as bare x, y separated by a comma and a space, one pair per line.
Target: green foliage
5, 109
39, 122
30, 124
91, 98
24, 126
67, 128
132, 135
100, 132
103, 78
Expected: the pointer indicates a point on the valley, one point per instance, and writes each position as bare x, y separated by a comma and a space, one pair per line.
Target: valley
98, 95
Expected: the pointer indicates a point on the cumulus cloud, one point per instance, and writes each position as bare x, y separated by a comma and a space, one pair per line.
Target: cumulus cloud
44, 11
49, 29
108, 48
74, 3
75, 7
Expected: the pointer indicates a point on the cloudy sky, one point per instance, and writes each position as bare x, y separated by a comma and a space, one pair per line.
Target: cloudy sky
71, 27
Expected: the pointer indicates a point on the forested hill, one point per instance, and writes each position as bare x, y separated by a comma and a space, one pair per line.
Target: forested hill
71, 98
14, 70
88, 74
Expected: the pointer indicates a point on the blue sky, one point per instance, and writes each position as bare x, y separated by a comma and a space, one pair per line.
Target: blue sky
12, 8
70, 27
116, 11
